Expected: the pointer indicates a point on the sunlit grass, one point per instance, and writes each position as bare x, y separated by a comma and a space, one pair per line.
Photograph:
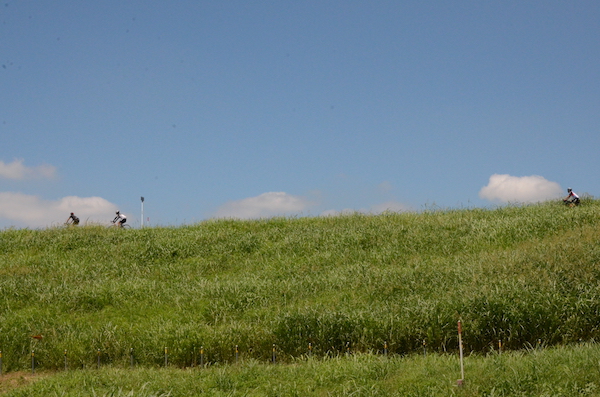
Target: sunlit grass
519, 274
561, 371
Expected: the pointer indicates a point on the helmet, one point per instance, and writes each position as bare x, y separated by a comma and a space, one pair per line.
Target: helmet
117, 212
72, 213
569, 189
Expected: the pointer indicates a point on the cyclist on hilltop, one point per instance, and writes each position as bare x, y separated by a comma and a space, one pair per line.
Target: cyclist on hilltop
572, 199
120, 219
72, 220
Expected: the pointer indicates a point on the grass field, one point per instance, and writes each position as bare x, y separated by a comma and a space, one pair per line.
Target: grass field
559, 371
234, 293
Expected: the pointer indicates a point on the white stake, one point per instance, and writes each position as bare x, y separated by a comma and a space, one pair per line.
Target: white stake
460, 348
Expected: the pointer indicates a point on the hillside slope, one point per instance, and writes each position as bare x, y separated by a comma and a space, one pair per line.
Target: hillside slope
520, 275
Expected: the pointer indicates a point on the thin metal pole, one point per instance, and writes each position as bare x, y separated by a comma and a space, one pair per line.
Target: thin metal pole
142, 211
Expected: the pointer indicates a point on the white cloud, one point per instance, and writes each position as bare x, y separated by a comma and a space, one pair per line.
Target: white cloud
264, 206
17, 170
32, 211
525, 189
385, 187
388, 206
346, 211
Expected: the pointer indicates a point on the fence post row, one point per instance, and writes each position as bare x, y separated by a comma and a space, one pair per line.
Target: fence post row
200, 352
202, 358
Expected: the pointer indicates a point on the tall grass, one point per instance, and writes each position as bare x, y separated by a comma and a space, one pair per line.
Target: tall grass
560, 371
520, 274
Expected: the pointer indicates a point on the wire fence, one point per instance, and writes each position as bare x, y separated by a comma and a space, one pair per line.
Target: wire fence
197, 357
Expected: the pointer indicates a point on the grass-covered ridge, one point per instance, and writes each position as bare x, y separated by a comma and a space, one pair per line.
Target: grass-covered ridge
520, 274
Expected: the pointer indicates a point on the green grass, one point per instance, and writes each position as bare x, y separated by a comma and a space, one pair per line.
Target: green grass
523, 275
560, 371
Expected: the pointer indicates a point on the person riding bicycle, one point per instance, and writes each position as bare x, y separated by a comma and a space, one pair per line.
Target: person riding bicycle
120, 219
572, 198
72, 220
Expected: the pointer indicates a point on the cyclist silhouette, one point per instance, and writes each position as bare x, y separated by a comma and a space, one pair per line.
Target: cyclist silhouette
72, 220
120, 219
572, 199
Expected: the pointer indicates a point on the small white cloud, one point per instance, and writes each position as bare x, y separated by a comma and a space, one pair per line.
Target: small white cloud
525, 189
33, 211
263, 206
388, 206
346, 211
385, 187
17, 170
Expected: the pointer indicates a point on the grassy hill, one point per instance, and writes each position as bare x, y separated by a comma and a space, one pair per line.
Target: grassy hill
524, 276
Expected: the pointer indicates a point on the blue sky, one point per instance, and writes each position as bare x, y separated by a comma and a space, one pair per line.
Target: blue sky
296, 108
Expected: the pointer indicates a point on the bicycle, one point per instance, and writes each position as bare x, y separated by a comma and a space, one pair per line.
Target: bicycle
119, 225
571, 203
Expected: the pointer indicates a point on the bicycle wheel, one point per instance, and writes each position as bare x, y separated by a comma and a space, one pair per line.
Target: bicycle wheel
126, 227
